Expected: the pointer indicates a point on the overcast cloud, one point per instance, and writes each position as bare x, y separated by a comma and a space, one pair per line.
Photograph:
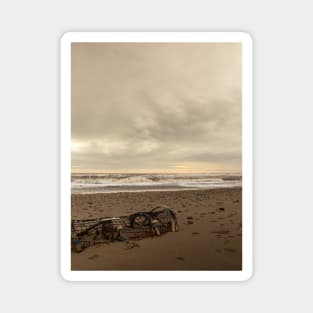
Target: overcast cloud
156, 107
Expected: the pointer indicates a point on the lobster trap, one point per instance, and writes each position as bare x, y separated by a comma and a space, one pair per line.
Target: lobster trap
136, 226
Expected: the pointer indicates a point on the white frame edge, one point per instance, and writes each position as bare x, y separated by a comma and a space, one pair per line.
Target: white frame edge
247, 156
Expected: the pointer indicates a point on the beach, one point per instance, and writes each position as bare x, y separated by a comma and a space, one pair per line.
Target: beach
209, 235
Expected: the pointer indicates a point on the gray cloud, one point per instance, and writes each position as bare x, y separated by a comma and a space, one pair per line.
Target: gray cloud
156, 106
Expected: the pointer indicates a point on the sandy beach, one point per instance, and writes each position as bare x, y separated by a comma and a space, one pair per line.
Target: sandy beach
209, 236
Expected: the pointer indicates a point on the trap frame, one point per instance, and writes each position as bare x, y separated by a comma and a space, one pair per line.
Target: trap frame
136, 226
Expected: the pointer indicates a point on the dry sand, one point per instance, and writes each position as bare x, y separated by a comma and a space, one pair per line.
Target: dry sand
209, 236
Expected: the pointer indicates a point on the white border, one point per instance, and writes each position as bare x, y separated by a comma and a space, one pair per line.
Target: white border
65, 160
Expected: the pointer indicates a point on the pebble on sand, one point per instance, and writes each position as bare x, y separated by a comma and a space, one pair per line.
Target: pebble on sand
92, 257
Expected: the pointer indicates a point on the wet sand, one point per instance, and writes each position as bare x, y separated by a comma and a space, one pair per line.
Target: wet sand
209, 236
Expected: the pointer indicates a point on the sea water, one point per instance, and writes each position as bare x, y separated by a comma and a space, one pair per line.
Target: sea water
99, 183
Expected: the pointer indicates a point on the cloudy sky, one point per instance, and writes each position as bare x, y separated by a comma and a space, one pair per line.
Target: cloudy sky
159, 107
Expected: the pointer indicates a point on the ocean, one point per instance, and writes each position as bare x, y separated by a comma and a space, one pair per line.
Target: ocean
103, 183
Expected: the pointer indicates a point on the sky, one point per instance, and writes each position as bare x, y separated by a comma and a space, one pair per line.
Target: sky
156, 107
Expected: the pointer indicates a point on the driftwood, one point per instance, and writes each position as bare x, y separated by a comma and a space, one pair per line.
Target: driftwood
136, 226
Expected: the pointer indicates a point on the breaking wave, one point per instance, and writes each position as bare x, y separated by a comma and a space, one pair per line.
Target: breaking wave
85, 183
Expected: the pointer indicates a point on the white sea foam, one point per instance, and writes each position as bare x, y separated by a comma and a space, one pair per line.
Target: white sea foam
85, 183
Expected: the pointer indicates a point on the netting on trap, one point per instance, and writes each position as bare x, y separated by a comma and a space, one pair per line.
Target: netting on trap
136, 226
